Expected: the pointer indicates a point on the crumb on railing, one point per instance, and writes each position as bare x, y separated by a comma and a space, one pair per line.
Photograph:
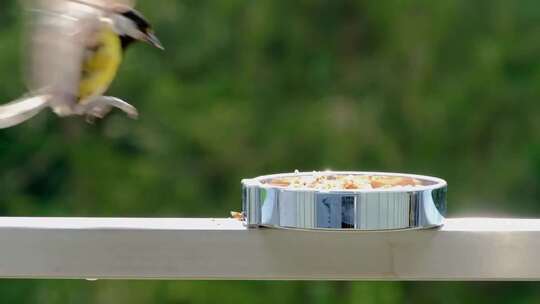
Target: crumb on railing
238, 215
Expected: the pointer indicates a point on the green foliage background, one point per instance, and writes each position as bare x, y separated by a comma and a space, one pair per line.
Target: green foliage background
245, 88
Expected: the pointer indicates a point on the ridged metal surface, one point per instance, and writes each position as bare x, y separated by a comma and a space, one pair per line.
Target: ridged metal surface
370, 209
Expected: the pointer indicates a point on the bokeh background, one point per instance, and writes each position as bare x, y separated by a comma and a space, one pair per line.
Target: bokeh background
245, 88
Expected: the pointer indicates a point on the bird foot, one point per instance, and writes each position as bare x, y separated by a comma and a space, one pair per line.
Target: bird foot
100, 106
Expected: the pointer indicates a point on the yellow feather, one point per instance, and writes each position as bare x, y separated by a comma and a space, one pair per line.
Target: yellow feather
101, 65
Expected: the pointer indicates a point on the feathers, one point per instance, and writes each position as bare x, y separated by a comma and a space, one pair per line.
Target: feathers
59, 31
19, 111
60, 34
100, 65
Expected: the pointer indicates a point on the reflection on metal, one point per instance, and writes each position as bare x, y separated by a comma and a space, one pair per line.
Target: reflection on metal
372, 209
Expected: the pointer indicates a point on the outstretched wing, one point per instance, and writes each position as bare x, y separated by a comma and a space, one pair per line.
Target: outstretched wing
58, 32
107, 3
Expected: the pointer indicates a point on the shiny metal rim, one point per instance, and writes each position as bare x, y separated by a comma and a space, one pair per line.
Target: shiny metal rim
345, 210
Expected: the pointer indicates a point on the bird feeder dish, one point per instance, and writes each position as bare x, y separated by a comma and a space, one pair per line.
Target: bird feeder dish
345, 201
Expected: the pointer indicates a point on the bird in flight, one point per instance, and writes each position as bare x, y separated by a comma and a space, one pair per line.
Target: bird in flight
74, 49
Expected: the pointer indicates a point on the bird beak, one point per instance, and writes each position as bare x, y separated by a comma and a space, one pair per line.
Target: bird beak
153, 40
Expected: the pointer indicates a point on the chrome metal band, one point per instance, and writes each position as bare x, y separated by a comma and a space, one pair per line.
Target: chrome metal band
384, 209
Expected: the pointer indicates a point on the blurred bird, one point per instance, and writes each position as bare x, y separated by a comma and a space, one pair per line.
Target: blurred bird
74, 51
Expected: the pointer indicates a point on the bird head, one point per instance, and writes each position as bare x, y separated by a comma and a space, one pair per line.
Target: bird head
132, 26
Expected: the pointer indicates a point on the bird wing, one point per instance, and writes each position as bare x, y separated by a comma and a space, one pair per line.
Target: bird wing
58, 32
107, 3
21, 110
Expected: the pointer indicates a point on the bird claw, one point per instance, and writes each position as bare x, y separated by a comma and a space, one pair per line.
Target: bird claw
100, 106
97, 112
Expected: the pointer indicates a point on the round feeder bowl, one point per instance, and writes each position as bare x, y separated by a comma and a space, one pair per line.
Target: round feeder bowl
345, 201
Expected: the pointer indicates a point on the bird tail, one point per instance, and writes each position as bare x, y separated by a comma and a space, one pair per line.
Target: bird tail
19, 111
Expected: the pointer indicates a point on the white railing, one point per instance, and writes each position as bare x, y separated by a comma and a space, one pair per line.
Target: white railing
464, 249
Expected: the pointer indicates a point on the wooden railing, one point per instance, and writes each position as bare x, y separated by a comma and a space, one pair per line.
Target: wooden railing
109, 248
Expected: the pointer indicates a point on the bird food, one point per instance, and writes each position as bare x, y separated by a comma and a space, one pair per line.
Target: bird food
333, 181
